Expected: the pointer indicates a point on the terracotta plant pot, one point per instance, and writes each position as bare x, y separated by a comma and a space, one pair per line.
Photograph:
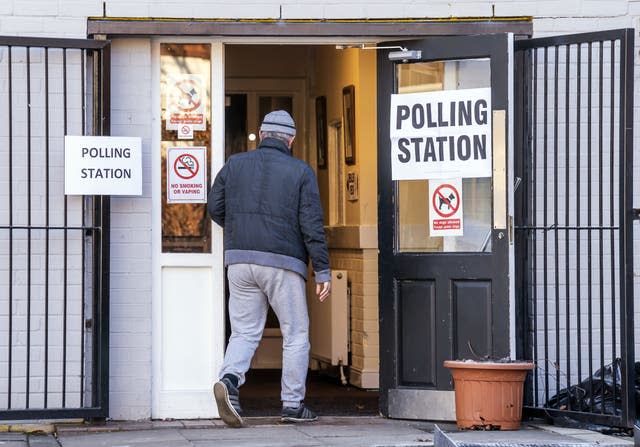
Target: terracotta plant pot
488, 394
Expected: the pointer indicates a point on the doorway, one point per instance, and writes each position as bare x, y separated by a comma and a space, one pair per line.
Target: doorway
254, 85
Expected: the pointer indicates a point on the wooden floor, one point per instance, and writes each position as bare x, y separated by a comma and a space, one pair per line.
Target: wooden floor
260, 396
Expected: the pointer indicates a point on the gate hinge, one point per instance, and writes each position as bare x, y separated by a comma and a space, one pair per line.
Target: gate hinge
635, 212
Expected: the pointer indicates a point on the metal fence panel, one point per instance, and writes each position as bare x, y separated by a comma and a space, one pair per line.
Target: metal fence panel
574, 224
52, 247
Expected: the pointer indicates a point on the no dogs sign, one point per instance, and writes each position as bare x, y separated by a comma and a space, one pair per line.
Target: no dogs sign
445, 208
186, 175
185, 97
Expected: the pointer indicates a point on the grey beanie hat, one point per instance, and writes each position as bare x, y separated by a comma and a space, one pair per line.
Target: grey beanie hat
278, 121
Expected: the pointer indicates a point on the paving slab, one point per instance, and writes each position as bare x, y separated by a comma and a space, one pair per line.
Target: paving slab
7, 436
526, 438
121, 438
262, 433
255, 442
421, 440
357, 430
41, 441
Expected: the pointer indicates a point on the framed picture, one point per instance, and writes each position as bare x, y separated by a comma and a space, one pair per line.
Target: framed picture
321, 131
349, 119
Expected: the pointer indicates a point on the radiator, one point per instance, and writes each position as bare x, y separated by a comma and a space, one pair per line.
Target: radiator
330, 322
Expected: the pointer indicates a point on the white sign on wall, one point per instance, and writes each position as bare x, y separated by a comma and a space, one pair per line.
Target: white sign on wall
442, 134
102, 165
445, 207
187, 175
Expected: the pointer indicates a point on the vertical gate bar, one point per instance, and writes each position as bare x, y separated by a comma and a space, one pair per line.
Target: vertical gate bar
626, 224
589, 278
27, 384
556, 267
84, 223
612, 232
10, 116
534, 167
600, 211
544, 210
566, 220
105, 247
64, 263
46, 249
95, 239
578, 200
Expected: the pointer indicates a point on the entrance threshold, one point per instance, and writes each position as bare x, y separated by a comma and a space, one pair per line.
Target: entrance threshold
326, 396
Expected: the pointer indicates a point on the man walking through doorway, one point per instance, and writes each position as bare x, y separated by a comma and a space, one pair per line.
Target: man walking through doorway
268, 203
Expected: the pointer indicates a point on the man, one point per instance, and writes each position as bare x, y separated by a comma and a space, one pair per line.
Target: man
268, 203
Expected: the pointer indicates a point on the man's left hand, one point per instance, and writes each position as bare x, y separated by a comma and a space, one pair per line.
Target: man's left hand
323, 290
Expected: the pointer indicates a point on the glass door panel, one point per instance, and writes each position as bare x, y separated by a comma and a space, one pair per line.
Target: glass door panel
412, 195
185, 92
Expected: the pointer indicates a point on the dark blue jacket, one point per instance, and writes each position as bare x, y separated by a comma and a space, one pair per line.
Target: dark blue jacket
268, 203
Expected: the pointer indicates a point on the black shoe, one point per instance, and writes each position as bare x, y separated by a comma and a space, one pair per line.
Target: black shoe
300, 414
228, 401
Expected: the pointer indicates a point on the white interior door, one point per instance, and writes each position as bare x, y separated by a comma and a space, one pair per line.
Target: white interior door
188, 296
249, 99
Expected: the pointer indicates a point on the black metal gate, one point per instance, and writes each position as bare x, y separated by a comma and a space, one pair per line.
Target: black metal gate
54, 249
574, 241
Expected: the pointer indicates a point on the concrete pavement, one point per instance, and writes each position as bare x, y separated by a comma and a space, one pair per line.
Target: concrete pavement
327, 431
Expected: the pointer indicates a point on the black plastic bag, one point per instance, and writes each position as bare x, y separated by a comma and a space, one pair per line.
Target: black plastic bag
600, 394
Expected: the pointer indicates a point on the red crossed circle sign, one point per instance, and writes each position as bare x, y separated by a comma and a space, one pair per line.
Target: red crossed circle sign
186, 166
446, 200
187, 96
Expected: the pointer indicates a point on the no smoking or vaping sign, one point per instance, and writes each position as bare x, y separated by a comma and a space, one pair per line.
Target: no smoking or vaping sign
187, 175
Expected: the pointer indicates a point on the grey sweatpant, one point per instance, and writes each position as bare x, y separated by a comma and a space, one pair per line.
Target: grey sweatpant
252, 288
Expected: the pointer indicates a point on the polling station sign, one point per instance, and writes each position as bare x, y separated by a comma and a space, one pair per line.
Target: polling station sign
102, 165
444, 134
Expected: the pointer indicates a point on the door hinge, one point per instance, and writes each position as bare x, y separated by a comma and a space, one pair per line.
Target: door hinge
510, 229
635, 213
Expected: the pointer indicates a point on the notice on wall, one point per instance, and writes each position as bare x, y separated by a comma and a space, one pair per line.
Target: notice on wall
443, 134
186, 98
102, 165
187, 175
445, 207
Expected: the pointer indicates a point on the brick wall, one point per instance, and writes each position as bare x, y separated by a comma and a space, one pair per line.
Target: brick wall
130, 356
362, 268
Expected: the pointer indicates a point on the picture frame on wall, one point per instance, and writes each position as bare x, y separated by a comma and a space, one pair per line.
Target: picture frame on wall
321, 131
349, 120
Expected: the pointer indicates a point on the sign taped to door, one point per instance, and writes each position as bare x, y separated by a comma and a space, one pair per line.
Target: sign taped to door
186, 102
187, 175
441, 134
445, 207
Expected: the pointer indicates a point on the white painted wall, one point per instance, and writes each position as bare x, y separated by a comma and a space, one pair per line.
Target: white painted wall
131, 285
131, 115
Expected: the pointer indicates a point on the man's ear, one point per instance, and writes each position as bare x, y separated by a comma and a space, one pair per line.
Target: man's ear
291, 141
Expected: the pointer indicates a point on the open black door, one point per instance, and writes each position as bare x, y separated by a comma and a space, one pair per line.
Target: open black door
443, 294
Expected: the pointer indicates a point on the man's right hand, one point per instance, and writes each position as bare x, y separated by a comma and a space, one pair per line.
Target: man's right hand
323, 290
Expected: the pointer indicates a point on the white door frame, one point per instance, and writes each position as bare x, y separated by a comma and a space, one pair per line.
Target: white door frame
169, 401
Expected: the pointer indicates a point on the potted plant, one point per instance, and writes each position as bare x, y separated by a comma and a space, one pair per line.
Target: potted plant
488, 393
